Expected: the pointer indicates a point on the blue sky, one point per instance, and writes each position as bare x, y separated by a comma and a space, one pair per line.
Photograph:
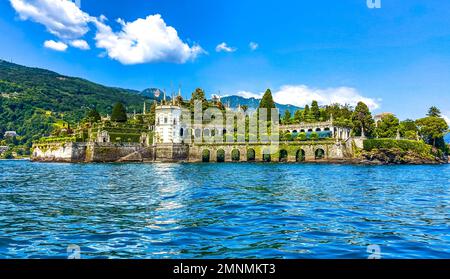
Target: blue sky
396, 58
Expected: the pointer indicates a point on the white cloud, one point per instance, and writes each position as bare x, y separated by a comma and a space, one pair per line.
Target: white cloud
225, 48
58, 46
253, 46
248, 94
81, 44
447, 119
301, 95
62, 18
143, 41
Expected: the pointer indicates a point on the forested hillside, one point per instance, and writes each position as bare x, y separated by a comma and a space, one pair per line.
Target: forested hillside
32, 99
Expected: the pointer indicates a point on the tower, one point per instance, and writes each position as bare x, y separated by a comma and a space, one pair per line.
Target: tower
168, 124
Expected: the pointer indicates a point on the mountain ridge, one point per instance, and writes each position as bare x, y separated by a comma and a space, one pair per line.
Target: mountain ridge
253, 103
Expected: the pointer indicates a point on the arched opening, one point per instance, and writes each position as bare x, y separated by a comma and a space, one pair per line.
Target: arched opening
205, 156
318, 130
294, 132
283, 155
251, 154
302, 130
310, 130
224, 132
220, 156
319, 154
327, 129
300, 155
266, 156
206, 132
181, 132
235, 155
198, 133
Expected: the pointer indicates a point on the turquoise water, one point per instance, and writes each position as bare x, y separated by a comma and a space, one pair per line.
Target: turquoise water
223, 210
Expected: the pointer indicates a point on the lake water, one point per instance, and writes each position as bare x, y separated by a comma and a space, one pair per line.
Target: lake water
223, 210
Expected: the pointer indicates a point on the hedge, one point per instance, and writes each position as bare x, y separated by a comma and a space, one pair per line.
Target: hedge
405, 145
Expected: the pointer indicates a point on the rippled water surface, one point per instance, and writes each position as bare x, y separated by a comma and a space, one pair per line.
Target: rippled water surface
223, 210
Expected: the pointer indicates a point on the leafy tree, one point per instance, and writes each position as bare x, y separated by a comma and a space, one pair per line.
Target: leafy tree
93, 116
434, 112
432, 129
119, 113
342, 114
179, 100
408, 129
315, 110
362, 118
287, 117
408, 125
199, 95
307, 114
388, 126
410, 135
298, 116
267, 103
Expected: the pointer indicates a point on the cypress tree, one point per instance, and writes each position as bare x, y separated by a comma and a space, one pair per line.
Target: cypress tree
362, 117
119, 113
267, 103
307, 114
298, 116
287, 117
93, 115
315, 110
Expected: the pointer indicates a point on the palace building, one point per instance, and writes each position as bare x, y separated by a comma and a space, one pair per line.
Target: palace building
171, 140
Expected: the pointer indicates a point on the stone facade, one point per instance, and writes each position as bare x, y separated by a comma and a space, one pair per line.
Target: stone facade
59, 152
168, 145
168, 124
246, 152
75, 152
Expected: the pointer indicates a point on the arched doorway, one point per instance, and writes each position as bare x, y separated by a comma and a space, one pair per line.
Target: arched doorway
206, 156
251, 154
235, 155
283, 155
220, 156
300, 155
319, 154
267, 156
206, 133
198, 133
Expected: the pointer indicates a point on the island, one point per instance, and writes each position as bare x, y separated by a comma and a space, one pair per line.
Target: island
169, 132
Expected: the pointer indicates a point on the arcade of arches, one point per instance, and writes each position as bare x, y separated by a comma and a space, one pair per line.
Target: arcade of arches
258, 153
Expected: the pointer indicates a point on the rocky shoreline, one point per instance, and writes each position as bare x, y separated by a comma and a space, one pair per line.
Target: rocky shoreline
399, 157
